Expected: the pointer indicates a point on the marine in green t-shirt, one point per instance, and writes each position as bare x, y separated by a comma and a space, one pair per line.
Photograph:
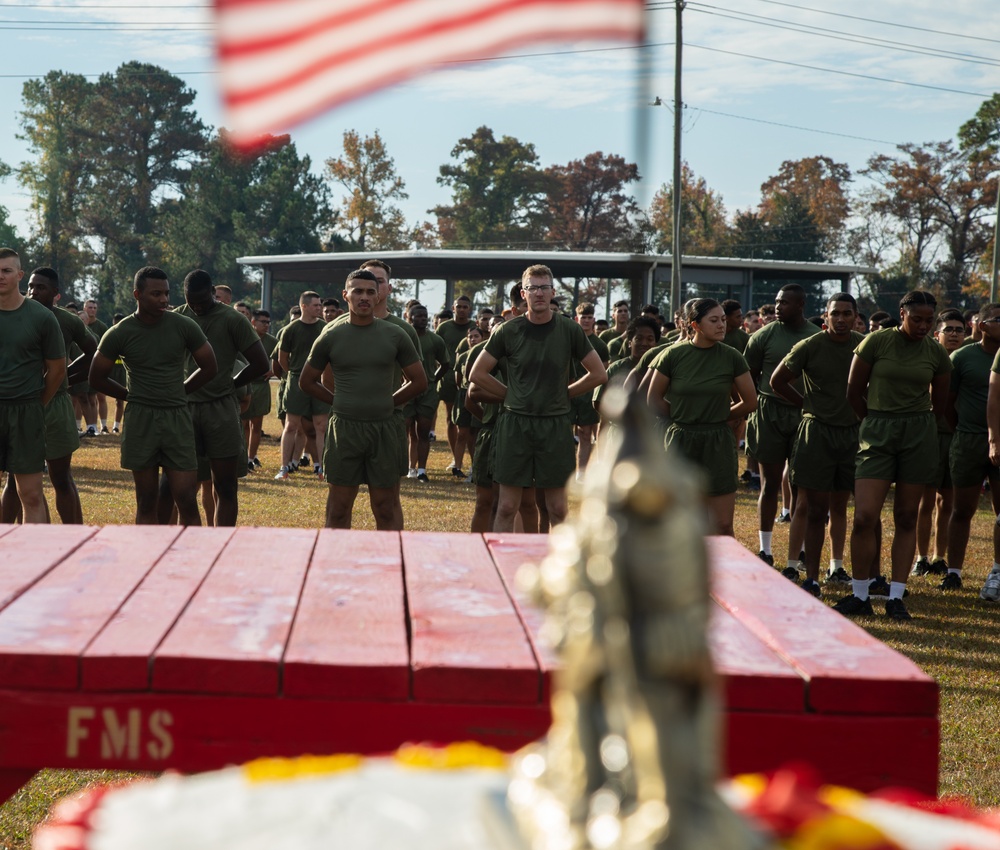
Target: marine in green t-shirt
437, 362
362, 445
902, 370
585, 415
453, 332
260, 390
701, 381
152, 344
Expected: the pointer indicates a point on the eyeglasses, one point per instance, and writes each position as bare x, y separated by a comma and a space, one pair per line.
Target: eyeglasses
994, 321
544, 287
957, 330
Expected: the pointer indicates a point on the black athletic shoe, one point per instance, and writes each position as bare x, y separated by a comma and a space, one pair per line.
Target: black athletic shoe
811, 586
939, 567
457, 472
878, 586
423, 477
791, 574
838, 576
896, 610
104, 429
754, 483
784, 518
304, 460
767, 559
921, 568
746, 476
851, 606
951, 581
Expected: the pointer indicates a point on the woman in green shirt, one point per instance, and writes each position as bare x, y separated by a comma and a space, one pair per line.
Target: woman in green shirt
692, 382
887, 387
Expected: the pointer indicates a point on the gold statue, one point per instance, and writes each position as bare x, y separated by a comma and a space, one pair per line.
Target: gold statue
631, 758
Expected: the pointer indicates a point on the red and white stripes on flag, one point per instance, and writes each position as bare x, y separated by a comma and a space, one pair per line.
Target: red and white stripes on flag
284, 61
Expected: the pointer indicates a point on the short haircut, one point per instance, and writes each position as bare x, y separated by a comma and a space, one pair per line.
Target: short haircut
767, 309
585, 308
968, 314
50, 274
242, 304
986, 309
224, 288
444, 315
816, 320
5, 253
295, 311
198, 280
90, 301
621, 304
555, 301
879, 316
952, 315
147, 273
918, 298
862, 316
72, 305
463, 298
419, 306
486, 311
516, 299
650, 310
331, 302
794, 289
843, 296
537, 270
377, 264
308, 295
730, 306
261, 314
357, 274
117, 317
642, 322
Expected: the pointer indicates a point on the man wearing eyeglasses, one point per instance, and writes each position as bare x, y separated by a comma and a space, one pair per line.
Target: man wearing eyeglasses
533, 440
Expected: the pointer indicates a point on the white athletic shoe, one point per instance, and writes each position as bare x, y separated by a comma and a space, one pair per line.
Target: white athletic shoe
991, 588
282, 474
411, 473
451, 466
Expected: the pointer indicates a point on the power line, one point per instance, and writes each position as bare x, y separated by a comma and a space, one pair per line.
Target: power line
837, 35
104, 23
793, 126
841, 73
108, 28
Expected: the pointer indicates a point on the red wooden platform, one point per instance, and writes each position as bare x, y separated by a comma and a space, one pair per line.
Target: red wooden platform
152, 647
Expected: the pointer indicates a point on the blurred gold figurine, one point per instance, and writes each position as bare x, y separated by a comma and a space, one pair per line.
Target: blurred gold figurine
631, 758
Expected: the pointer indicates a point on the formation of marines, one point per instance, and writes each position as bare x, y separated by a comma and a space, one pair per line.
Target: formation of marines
825, 408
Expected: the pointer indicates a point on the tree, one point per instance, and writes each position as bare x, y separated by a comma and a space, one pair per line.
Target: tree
498, 193
142, 135
367, 217
237, 205
9, 237
818, 185
704, 230
588, 204
53, 122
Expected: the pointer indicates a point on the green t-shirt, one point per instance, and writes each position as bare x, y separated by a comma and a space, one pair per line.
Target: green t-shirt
96, 327
433, 351
229, 334
610, 335
825, 365
405, 327
644, 362
737, 339
902, 370
539, 363
154, 356
29, 336
617, 373
297, 340
490, 411
74, 333
452, 333
363, 359
768, 347
970, 384
701, 381
602, 351
270, 343
618, 348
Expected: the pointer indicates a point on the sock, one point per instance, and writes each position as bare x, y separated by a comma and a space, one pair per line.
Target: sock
316, 467
103, 423
794, 564
765, 541
421, 470
836, 565
955, 571
860, 586
118, 424
896, 589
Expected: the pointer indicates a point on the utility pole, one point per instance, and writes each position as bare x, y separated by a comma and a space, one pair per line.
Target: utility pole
675, 260
996, 250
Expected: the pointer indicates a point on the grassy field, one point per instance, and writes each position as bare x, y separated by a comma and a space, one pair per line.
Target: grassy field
953, 637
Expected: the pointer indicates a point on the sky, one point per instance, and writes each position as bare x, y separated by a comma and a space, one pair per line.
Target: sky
763, 82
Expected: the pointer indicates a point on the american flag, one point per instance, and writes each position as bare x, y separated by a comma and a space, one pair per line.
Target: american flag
284, 61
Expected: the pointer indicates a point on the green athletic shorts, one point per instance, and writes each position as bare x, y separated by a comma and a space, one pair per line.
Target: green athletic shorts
824, 456
22, 437
942, 475
282, 389
424, 406
83, 388
459, 415
898, 447
582, 410
158, 436
218, 431
260, 401
482, 459
448, 389
533, 451
712, 448
969, 460
771, 431
364, 451
300, 403
61, 435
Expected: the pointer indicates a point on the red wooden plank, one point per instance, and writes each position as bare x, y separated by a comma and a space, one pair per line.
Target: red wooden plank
44, 631
467, 644
119, 657
192, 732
349, 636
762, 742
847, 670
753, 677
231, 637
510, 552
30, 551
